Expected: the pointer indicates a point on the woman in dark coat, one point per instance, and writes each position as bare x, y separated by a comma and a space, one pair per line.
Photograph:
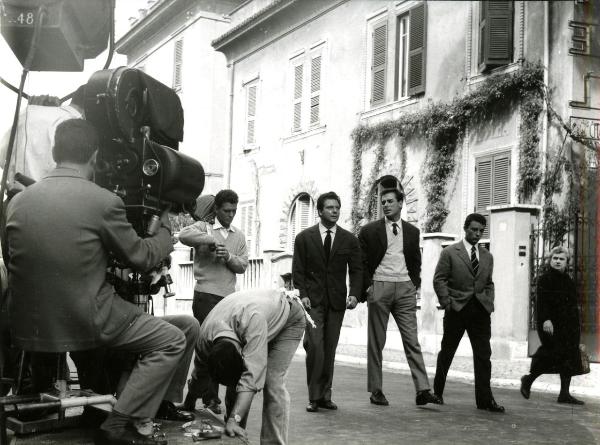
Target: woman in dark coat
558, 328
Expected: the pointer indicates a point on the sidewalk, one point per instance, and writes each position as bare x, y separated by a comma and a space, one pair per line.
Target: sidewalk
505, 373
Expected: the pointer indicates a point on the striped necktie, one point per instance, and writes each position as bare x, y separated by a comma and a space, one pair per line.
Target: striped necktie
474, 260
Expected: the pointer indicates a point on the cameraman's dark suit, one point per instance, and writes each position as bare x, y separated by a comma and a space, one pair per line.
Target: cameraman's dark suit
324, 283
60, 232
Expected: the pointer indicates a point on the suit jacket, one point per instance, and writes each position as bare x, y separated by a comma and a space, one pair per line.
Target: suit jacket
373, 243
60, 231
455, 283
317, 279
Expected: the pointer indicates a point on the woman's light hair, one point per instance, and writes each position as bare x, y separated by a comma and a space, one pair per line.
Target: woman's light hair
556, 250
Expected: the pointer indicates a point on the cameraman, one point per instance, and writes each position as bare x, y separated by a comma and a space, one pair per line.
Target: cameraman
61, 232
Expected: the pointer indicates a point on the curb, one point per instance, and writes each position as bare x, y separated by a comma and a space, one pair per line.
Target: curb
464, 377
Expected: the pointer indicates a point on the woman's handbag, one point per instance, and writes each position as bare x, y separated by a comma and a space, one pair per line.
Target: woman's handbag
584, 361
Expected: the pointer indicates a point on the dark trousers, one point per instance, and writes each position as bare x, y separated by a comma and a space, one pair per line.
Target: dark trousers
474, 319
201, 307
320, 344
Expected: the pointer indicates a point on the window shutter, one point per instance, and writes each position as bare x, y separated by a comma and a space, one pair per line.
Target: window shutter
292, 227
483, 190
177, 63
251, 115
378, 64
417, 43
492, 184
501, 180
495, 34
315, 89
298, 79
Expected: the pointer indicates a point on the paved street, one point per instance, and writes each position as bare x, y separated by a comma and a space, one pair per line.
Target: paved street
539, 420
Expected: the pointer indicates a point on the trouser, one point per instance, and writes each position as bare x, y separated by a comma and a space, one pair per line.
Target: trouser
160, 348
116, 367
474, 319
201, 307
320, 344
276, 399
398, 299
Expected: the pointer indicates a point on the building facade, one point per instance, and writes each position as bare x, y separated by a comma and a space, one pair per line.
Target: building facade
309, 77
474, 106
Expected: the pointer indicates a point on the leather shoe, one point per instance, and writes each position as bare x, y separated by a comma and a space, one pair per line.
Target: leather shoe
570, 400
525, 386
126, 436
168, 411
425, 397
492, 406
312, 406
441, 399
327, 404
377, 398
214, 406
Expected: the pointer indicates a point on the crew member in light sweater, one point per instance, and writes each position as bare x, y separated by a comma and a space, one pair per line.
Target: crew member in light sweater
220, 252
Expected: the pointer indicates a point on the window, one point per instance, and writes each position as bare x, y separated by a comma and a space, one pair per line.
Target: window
306, 89
495, 34
247, 225
251, 94
302, 215
492, 175
405, 33
177, 64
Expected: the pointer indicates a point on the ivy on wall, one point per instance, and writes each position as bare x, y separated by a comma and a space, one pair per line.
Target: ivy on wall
442, 126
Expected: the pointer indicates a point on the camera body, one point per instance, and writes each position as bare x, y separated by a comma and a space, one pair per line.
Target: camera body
140, 124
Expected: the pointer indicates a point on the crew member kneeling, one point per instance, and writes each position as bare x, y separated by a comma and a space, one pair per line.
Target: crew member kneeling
247, 343
60, 232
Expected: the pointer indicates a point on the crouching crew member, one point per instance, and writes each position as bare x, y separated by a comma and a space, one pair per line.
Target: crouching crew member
247, 343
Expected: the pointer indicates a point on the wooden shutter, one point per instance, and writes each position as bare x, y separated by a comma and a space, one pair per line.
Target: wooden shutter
483, 189
417, 42
251, 114
492, 185
378, 63
177, 64
315, 89
501, 180
247, 226
300, 218
495, 34
298, 80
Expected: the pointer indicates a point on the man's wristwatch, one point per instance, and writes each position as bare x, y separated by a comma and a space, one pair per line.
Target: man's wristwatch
237, 418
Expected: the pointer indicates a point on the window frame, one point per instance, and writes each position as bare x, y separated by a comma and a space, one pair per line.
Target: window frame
301, 109
410, 62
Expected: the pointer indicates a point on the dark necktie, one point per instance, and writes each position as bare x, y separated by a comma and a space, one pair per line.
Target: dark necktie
395, 229
474, 260
327, 244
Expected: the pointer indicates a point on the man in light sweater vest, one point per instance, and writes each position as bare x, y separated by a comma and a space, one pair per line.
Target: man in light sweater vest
220, 253
392, 275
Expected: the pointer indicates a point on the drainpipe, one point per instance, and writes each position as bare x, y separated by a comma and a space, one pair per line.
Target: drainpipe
546, 76
230, 136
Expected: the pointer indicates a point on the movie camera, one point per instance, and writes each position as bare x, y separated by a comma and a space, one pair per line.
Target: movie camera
140, 124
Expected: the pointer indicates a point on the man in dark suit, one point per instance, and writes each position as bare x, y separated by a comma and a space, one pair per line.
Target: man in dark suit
464, 287
322, 255
392, 276
61, 232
